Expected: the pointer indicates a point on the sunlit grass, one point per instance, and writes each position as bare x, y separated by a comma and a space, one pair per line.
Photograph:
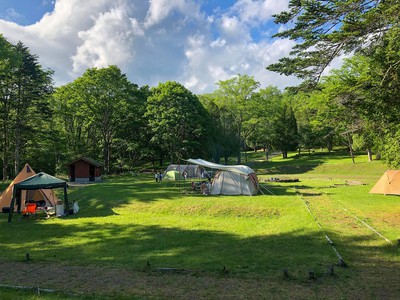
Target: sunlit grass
130, 220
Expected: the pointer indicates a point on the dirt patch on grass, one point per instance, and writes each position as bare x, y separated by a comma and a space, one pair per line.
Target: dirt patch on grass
379, 282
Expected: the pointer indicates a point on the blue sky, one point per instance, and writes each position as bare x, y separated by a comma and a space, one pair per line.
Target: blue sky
195, 42
25, 12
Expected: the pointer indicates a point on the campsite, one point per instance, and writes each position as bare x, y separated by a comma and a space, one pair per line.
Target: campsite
192, 149
132, 235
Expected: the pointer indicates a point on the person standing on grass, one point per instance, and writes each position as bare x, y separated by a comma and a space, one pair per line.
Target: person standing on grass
160, 177
156, 176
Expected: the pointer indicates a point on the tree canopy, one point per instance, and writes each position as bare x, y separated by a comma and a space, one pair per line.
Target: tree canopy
324, 30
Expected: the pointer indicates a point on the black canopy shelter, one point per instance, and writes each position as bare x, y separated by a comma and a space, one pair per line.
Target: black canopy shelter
36, 182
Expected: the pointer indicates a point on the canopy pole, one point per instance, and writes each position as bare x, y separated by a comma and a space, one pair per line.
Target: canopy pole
12, 205
19, 200
66, 198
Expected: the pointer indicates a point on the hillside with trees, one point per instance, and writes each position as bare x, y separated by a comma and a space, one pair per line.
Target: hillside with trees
103, 115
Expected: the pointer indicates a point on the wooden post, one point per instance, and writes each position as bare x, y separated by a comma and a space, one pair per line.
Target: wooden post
285, 273
330, 270
311, 275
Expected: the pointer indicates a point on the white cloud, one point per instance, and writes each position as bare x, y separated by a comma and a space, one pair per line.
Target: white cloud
161, 9
109, 41
12, 14
258, 11
156, 41
212, 64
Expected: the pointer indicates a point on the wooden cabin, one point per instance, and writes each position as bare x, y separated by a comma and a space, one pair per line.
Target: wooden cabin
84, 170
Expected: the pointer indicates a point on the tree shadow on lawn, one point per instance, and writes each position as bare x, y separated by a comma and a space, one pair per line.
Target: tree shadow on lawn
297, 164
99, 199
134, 246
287, 190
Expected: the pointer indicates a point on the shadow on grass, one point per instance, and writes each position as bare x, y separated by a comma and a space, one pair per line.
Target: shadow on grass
132, 246
96, 200
286, 190
296, 164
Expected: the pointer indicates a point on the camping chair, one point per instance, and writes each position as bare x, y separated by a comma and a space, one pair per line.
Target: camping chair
29, 210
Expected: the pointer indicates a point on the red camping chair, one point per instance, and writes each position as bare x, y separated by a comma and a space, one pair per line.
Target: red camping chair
30, 209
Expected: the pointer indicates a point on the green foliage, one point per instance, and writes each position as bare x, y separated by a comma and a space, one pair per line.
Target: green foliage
101, 110
286, 137
326, 29
24, 107
235, 97
178, 122
223, 134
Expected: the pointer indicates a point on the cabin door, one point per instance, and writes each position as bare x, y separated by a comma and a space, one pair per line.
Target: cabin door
91, 173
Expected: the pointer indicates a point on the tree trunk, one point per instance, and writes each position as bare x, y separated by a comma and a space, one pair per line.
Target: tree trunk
239, 158
17, 149
369, 153
350, 148
245, 152
5, 147
284, 154
5, 137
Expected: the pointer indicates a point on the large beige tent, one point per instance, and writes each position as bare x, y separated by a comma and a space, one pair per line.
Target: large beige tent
389, 184
230, 179
45, 197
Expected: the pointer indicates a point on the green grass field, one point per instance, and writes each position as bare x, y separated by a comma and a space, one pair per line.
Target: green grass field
130, 221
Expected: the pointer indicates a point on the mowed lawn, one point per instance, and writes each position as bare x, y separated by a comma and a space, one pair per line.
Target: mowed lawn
132, 222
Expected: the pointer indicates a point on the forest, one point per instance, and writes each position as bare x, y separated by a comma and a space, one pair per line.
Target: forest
103, 115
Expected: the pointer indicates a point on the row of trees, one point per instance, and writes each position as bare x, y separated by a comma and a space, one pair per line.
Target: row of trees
25, 115
103, 115
361, 100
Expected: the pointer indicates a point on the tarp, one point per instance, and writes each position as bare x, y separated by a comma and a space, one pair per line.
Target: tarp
241, 169
388, 184
230, 179
40, 181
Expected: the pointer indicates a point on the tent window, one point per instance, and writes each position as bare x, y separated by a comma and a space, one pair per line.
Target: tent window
28, 169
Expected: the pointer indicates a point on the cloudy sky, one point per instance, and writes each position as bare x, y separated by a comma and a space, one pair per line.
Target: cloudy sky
195, 42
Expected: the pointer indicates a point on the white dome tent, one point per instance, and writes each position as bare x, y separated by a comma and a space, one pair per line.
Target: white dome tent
230, 179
